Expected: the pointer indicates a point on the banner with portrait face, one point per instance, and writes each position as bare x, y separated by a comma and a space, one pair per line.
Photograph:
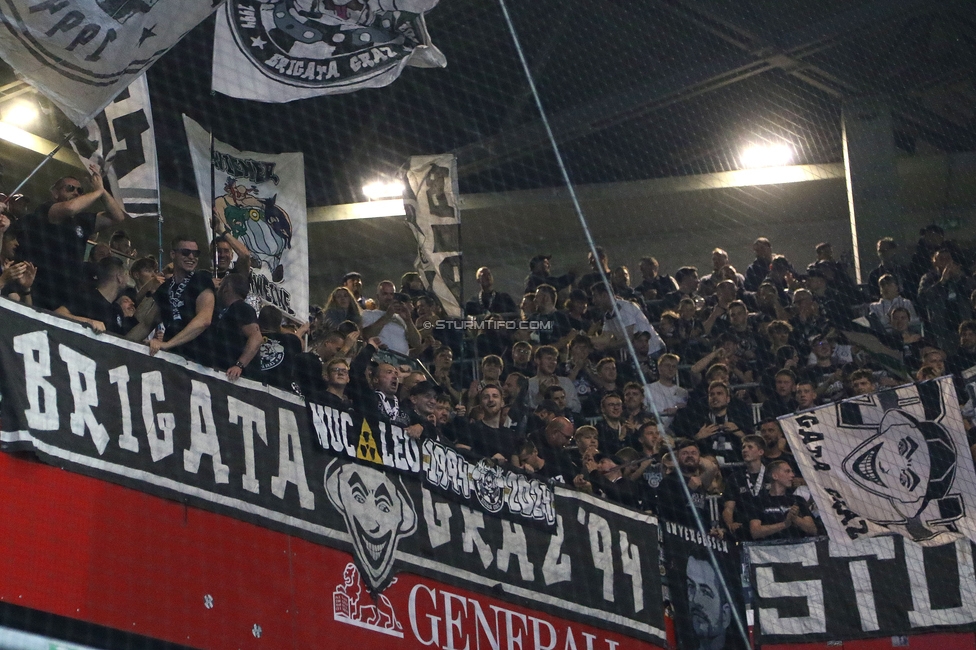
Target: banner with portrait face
703, 614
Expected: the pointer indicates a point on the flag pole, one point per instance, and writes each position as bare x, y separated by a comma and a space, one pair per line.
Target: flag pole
213, 204
47, 158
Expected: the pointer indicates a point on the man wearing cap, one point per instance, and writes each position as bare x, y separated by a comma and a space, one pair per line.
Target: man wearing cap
422, 413
608, 481
391, 320
354, 282
539, 273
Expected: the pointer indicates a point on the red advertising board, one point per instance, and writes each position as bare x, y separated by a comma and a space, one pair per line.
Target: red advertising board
97, 552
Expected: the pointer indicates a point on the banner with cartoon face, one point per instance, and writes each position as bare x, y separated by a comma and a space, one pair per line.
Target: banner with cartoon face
82, 53
101, 406
279, 51
259, 199
895, 461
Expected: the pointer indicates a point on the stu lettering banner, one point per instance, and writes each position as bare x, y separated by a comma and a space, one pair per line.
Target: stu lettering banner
430, 199
259, 199
895, 461
121, 143
101, 406
282, 51
875, 587
82, 53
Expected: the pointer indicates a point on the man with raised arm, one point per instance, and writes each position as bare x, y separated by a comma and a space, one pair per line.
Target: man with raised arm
57, 233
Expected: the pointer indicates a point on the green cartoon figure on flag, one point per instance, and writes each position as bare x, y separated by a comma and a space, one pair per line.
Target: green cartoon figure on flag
259, 224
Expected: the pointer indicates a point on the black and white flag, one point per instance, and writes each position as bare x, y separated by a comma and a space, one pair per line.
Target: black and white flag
279, 51
896, 461
121, 143
430, 199
82, 53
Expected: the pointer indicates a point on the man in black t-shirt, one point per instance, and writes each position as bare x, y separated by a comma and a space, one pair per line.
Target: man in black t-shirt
56, 234
279, 351
97, 306
184, 305
486, 437
743, 483
234, 336
777, 513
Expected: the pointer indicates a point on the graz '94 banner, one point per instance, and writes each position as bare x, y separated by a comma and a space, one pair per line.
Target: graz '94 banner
895, 461
280, 51
876, 587
82, 53
259, 199
103, 407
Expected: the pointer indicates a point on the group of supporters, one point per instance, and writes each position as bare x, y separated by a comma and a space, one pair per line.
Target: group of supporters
557, 392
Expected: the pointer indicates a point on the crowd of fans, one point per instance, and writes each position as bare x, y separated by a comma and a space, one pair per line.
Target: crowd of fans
547, 384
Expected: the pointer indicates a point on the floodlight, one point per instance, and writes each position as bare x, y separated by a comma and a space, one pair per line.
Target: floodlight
20, 113
383, 190
766, 155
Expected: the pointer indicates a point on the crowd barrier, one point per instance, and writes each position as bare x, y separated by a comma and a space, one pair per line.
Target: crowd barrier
213, 514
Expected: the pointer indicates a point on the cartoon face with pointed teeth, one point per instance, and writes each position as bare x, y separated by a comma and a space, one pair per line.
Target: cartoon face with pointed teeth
378, 513
897, 463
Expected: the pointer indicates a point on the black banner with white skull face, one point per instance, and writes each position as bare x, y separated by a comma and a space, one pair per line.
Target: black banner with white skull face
895, 461
877, 587
102, 406
703, 616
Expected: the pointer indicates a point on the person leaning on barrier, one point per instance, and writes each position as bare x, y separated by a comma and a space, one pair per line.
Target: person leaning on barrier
777, 513
16, 277
184, 305
97, 306
551, 445
695, 472
373, 386
234, 336
743, 483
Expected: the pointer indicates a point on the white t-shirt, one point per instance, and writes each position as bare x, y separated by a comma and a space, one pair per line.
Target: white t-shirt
631, 315
393, 335
666, 397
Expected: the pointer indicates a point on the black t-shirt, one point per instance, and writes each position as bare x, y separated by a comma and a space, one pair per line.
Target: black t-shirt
58, 251
226, 336
177, 301
742, 486
769, 509
276, 360
92, 304
673, 506
488, 441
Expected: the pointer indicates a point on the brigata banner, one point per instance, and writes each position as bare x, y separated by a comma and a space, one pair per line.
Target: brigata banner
877, 587
895, 461
102, 406
82, 53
